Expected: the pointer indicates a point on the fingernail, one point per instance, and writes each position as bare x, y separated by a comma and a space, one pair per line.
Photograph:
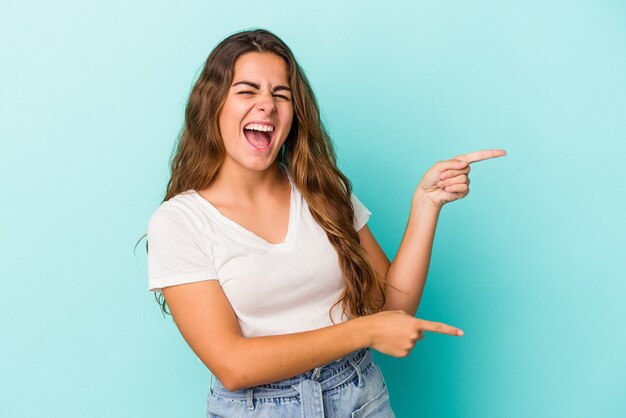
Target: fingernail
459, 333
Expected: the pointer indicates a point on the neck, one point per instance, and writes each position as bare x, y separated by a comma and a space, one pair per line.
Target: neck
241, 184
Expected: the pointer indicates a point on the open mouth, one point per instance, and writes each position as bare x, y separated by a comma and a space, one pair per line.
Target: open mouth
259, 135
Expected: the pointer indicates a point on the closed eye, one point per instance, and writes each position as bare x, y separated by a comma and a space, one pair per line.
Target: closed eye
279, 96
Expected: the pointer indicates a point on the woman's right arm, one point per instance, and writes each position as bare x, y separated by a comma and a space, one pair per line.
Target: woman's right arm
208, 324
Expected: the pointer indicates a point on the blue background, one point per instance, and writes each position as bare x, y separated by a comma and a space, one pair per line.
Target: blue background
530, 264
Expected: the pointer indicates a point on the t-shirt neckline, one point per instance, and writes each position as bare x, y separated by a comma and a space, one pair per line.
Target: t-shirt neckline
291, 226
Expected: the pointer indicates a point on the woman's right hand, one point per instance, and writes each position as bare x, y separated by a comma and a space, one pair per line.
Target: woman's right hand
395, 332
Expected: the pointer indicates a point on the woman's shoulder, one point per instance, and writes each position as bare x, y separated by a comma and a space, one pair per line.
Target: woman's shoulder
181, 209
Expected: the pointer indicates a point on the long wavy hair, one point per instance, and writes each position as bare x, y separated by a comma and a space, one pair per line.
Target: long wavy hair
307, 152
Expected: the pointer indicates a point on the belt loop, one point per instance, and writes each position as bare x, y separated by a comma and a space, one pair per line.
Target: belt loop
249, 400
358, 371
316, 373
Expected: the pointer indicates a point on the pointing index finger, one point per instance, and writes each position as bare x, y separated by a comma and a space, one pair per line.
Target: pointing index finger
473, 157
438, 327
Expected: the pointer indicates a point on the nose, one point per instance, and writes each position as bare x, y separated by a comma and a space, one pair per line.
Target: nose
266, 102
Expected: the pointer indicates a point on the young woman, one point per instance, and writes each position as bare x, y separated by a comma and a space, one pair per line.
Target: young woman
263, 255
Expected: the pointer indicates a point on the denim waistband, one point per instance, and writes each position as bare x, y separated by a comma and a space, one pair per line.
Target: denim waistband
308, 385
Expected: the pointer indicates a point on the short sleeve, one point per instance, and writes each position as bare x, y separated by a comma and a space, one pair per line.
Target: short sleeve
361, 213
175, 251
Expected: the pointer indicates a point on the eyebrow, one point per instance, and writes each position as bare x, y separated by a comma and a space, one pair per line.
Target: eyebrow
256, 86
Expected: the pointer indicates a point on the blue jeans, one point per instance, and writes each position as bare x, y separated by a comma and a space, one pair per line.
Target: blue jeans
352, 386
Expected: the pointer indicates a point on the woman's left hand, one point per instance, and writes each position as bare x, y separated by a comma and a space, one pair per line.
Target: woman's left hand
448, 180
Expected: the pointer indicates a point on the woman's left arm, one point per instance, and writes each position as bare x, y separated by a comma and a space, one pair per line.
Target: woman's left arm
443, 183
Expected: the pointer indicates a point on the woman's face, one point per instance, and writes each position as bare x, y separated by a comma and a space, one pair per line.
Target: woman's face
256, 117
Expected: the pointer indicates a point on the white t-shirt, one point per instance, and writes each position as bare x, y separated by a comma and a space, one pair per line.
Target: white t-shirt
273, 288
